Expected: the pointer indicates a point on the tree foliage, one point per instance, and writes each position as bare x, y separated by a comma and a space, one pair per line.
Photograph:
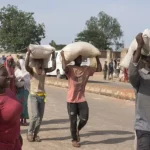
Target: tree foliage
57, 46
102, 31
18, 29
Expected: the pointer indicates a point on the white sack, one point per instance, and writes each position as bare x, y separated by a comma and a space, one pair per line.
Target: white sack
145, 50
41, 51
32, 62
73, 50
93, 62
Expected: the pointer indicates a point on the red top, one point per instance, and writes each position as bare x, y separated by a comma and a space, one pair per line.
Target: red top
77, 79
10, 111
11, 72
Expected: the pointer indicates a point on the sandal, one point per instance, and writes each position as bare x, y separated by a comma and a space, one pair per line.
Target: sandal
75, 144
37, 138
30, 138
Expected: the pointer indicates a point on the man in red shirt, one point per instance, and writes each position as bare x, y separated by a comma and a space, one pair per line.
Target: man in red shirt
77, 106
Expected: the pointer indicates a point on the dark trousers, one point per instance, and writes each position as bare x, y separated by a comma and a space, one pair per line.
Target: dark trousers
75, 110
105, 75
143, 140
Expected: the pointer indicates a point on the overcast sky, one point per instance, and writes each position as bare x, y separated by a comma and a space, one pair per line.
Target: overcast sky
63, 19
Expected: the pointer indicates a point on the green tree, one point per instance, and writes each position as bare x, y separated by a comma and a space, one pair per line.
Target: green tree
102, 31
18, 29
52, 43
57, 46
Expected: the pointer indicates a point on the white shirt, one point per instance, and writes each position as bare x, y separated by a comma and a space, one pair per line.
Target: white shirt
19, 74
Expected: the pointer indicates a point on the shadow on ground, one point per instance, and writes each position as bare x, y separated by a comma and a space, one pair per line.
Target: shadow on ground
95, 133
55, 121
109, 141
91, 81
24, 131
47, 122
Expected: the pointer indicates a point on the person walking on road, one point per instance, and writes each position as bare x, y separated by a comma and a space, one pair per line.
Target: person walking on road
37, 94
105, 70
140, 80
111, 70
76, 102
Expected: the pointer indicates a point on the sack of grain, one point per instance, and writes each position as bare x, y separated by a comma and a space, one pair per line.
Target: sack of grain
145, 50
73, 50
32, 62
41, 51
93, 62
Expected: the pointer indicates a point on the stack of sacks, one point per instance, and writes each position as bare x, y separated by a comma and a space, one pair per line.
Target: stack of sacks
40, 52
86, 50
145, 50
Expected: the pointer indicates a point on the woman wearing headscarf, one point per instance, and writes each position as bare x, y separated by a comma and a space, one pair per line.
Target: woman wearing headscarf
9, 64
23, 87
10, 111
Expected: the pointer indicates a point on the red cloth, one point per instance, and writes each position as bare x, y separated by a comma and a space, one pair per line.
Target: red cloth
10, 111
126, 74
11, 72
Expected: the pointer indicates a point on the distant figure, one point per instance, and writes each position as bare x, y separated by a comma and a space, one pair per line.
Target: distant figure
58, 74
9, 64
121, 75
3, 59
105, 69
17, 58
111, 70
125, 75
118, 69
115, 64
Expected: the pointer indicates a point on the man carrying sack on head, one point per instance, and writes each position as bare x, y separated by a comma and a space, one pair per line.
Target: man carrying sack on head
37, 93
76, 103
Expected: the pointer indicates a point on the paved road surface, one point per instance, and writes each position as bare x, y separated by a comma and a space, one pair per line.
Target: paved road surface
110, 125
114, 83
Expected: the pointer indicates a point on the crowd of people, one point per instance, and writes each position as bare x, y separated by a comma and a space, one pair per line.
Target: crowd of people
113, 70
18, 79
